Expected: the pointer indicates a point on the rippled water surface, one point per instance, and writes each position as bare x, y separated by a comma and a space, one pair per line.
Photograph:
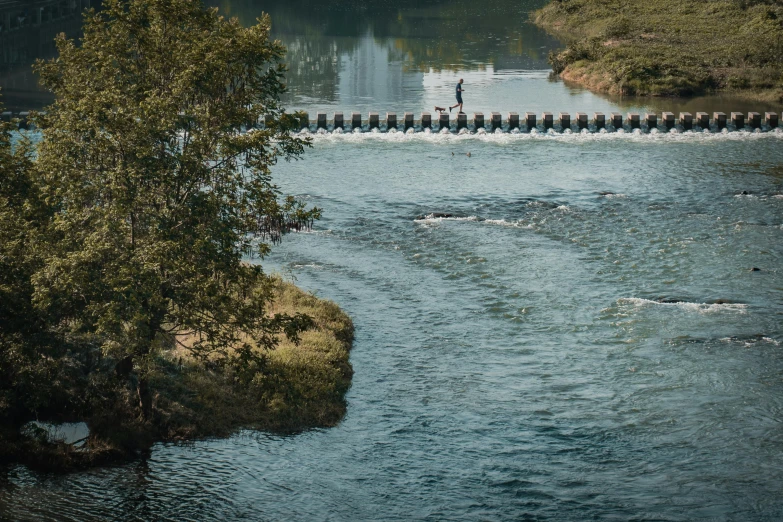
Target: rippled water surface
581, 337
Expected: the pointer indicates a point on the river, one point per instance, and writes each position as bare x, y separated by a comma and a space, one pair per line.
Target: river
583, 337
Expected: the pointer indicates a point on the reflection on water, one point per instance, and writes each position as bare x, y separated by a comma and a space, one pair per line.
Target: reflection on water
406, 56
27, 32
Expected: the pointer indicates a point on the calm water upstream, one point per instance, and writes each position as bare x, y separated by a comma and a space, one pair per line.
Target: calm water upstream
583, 338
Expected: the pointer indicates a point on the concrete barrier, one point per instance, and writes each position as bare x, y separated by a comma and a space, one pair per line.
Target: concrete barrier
686, 120
462, 121
495, 121
667, 118
565, 120
754, 120
408, 121
443, 120
738, 120
617, 120
530, 120
599, 119
719, 119
548, 120
513, 120
426, 120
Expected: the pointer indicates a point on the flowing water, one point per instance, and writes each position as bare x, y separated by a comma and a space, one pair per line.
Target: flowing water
558, 326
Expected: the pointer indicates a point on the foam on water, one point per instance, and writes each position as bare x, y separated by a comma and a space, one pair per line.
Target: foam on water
431, 218
509, 138
703, 308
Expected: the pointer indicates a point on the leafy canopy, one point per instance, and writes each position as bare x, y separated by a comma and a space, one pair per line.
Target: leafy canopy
160, 181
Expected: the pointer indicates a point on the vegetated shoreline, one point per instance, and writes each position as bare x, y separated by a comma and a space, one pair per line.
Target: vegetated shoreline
668, 47
301, 386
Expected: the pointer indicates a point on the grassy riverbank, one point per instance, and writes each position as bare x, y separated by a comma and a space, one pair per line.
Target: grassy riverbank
299, 386
668, 47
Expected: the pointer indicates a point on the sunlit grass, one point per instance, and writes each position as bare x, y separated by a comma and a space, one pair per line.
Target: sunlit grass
299, 385
669, 47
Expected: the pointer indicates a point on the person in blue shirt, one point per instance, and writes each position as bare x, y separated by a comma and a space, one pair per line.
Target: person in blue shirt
459, 96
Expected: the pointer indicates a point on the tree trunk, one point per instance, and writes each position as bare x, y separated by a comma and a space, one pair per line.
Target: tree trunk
145, 398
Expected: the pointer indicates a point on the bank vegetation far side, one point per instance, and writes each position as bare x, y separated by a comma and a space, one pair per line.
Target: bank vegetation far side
670, 47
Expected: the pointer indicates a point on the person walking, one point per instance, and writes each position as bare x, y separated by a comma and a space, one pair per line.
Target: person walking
459, 96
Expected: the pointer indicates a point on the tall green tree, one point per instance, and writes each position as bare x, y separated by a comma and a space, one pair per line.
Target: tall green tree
38, 367
160, 180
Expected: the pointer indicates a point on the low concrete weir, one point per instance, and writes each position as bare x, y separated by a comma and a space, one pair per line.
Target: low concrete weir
426, 120
462, 121
495, 120
686, 120
738, 119
530, 120
720, 119
408, 121
443, 120
754, 120
667, 118
547, 118
565, 120
513, 120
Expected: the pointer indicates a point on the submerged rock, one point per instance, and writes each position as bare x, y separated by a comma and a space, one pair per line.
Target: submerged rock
435, 215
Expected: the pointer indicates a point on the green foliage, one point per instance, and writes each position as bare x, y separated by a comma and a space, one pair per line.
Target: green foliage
666, 47
125, 228
159, 192
301, 385
33, 363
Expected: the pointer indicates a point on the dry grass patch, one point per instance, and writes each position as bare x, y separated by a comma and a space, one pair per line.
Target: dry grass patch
298, 386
